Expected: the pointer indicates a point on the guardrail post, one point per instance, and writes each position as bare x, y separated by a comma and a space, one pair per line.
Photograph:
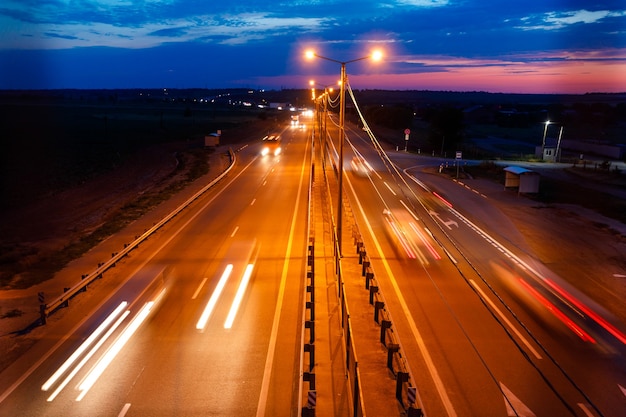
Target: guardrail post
366, 264
42, 313
384, 325
401, 378
310, 377
311, 402
411, 398
310, 347
356, 392
369, 275
415, 412
311, 304
66, 303
362, 254
309, 324
392, 349
373, 290
378, 305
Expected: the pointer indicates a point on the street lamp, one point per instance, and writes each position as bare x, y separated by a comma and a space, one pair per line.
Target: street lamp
321, 100
543, 141
375, 56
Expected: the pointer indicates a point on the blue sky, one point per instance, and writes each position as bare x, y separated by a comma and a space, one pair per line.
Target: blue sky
534, 46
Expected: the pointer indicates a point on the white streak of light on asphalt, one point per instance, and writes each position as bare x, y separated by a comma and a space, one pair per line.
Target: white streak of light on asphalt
124, 410
389, 188
503, 317
269, 360
117, 346
234, 231
45, 356
195, 294
83, 347
88, 356
214, 297
586, 410
238, 297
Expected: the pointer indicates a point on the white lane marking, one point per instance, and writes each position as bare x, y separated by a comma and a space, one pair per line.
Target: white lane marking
389, 188
269, 360
232, 313
195, 294
506, 320
514, 406
234, 231
214, 297
622, 389
586, 410
253, 200
124, 410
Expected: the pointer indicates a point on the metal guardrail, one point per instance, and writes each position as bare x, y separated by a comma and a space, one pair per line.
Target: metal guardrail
406, 392
47, 309
308, 345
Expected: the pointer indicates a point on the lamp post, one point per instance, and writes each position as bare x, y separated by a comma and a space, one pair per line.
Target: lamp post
543, 141
557, 156
376, 56
323, 99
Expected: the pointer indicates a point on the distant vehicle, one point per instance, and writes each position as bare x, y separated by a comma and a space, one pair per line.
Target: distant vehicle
271, 145
359, 166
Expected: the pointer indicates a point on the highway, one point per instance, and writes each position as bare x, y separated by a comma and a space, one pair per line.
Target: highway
485, 328
208, 317
208, 321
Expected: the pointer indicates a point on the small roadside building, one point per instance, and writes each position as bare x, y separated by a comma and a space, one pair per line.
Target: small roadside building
524, 180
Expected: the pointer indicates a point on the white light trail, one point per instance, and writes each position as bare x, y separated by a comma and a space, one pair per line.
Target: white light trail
83, 347
214, 297
88, 356
238, 297
117, 346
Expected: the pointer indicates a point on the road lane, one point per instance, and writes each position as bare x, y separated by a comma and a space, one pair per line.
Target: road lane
169, 367
481, 328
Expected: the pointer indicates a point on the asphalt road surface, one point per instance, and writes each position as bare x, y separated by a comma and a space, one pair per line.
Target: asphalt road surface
208, 320
486, 329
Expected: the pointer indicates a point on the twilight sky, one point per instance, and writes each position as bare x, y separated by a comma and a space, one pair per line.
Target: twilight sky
529, 46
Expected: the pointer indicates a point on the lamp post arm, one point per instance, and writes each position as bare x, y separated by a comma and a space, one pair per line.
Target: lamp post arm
341, 62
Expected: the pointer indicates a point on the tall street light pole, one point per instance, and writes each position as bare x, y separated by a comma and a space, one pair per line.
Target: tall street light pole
376, 56
557, 156
543, 141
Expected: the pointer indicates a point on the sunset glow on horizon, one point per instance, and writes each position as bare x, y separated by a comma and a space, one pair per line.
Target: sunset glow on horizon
529, 47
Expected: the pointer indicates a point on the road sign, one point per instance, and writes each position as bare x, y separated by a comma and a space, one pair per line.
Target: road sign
407, 131
459, 155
